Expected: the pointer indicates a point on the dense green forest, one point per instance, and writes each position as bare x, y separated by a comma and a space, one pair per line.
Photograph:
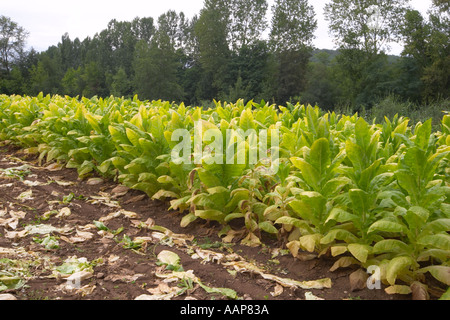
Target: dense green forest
230, 50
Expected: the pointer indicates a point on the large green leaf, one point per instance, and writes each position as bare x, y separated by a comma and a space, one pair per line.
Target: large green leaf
187, 219
304, 211
230, 293
246, 120
210, 215
368, 175
309, 173
319, 156
268, 227
385, 225
439, 241
208, 179
416, 217
133, 136
94, 121
436, 226
362, 133
298, 223
333, 186
339, 234
391, 245
415, 160
356, 155
360, 200
422, 134
340, 215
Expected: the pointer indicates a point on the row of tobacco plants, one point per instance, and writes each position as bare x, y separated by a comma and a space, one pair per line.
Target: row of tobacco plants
367, 194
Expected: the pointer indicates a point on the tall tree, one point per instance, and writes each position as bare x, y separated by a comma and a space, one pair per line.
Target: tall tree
143, 28
70, 52
293, 25
212, 30
155, 69
321, 88
94, 79
118, 42
291, 36
73, 82
12, 42
173, 25
428, 43
362, 31
443, 5
47, 74
121, 85
366, 25
248, 22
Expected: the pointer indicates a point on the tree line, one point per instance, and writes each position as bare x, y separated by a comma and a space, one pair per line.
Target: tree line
230, 51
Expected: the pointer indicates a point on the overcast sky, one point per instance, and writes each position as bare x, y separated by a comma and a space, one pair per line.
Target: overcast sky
48, 20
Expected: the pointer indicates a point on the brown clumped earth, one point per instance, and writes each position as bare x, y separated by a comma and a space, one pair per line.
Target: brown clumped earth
117, 265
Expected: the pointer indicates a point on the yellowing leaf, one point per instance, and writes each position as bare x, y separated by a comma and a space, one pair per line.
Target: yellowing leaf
343, 262
359, 251
398, 289
162, 194
310, 241
294, 247
338, 250
396, 266
251, 240
64, 212
441, 273
187, 219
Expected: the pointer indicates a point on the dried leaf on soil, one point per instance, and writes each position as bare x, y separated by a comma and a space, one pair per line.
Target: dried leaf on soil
358, 280
123, 277
208, 256
64, 183
64, 212
94, 181
54, 167
136, 199
82, 236
165, 296
244, 266
169, 258
27, 195
119, 191
398, 289
277, 291
311, 296
419, 291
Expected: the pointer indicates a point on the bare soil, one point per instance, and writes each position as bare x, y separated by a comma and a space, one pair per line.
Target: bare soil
125, 274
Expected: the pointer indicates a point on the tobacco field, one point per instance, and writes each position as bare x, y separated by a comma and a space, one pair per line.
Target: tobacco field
350, 199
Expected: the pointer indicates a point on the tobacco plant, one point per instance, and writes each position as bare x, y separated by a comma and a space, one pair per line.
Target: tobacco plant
365, 193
